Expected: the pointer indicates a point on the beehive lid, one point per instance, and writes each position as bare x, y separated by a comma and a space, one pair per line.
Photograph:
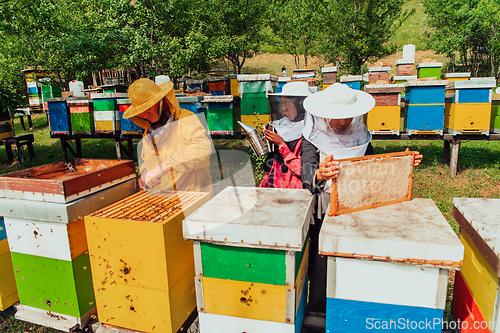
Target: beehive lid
412, 232
284, 78
478, 218
218, 98
379, 69
426, 83
123, 101
190, 99
351, 78
454, 75
474, 84
78, 101
429, 64
384, 88
64, 182
56, 99
218, 78
404, 62
253, 217
108, 95
192, 81
404, 77
153, 206
329, 69
256, 77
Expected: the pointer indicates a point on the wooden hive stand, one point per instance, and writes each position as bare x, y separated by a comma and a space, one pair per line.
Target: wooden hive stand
20, 141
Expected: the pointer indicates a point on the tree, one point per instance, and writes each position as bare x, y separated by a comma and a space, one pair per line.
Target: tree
359, 30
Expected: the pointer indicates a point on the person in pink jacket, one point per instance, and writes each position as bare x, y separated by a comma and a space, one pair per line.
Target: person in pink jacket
283, 165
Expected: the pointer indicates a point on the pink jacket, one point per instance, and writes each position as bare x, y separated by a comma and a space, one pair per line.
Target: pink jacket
291, 178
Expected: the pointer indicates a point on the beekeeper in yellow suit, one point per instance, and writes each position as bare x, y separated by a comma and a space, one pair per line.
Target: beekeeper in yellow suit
175, 149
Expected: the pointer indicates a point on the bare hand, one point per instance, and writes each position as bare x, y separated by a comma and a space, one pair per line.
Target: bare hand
151, 178
417, 159
328, 169
140, 183
274, 137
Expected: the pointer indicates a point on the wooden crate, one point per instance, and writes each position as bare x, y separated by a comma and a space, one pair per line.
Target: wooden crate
467, 118
148, 285
432, 69
329, 75
388, 264
65, 182
8, 289
481, 267
371, 181
251, 264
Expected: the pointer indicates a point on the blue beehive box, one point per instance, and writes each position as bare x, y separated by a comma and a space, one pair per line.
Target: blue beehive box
424, 107
59, 116
352, 81
192, 103
282, 80
127, 126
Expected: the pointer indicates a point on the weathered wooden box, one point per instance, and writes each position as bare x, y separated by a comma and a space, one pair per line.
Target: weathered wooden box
143, 269
376, 74
8, 289
329, 75
65, 182
251, 259
432, 69
404, 67
81, 112
388, 267
477, 292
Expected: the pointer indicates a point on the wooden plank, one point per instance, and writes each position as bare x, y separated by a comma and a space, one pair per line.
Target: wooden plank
465, 309
245, 299
480, 278
243, 264
388, 283
214, 323
250, 217
373, 181
54, 285
413, 232
355, 316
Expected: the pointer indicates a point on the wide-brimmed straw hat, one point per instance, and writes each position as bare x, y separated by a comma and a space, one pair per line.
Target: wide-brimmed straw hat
295, 89
143, 94
338, 101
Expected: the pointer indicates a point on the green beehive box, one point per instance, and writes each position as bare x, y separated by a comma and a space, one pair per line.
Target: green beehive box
82, 123
220, 121
51, 91
432, 69
495, 114
255, 105
113, 88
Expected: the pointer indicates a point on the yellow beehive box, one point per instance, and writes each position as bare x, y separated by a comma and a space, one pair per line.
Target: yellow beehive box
143, 269
8, 289
464, 118
256, 120
384, 118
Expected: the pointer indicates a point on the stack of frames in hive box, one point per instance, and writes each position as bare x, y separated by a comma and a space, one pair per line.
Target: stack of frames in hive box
143, 269
8, 289
385, 117
44, 209
388, 256
476, 293
251, 259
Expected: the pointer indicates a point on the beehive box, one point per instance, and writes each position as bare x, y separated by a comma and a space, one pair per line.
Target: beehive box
51, 91
388, 267
456, 76
468, 107
256, 83
8, 289
376, 74
223, 112
424, 107
404, 67
148, 285
59, 116
192, 103
384, 118
432, 69
233, 82
256, 121
251, 263
114, 88
282, 80
495, 114
329, 75
476, 288
352, 81
50, 259
219, 85
6, 129
81, 112
65, 182
127, 126
107, 112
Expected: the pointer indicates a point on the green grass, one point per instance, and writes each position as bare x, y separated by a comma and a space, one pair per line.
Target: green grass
412, 31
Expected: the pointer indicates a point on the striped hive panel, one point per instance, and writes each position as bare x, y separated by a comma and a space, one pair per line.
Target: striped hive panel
236, 292
8, 289
464, 308
356, 316
424, 118
481, 280
495, 114
132, 282
258, 105
47, 239
257, 120
467, 117
54, 285
383, 118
